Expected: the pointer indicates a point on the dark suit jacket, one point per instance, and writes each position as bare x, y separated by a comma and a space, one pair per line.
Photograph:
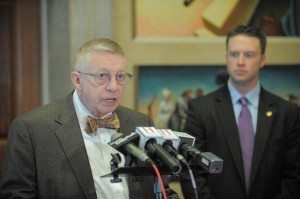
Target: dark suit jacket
276, 158
46, 156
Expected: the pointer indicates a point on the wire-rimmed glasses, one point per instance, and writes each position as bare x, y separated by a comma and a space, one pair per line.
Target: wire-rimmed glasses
103, 78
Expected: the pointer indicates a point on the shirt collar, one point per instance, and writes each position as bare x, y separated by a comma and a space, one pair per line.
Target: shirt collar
252, 96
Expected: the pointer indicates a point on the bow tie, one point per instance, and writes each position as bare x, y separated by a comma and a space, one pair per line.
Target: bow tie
111, 121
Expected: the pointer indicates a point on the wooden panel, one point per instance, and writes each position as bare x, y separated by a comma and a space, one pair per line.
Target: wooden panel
20, 60
2, 150
5, 75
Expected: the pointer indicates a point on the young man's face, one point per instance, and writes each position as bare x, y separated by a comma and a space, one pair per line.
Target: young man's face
244, 60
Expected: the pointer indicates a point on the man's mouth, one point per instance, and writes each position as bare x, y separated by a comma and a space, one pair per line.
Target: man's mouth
240, 71
110, 99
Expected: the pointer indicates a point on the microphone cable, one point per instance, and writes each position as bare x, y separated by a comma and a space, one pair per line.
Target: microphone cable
160, 180
184, 162
193, 182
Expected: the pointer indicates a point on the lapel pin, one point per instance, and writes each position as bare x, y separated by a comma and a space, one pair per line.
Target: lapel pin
269, 113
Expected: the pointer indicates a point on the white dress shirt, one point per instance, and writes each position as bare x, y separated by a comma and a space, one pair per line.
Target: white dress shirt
99, 155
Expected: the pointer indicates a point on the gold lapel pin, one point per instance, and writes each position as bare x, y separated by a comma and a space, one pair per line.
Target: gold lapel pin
269, 113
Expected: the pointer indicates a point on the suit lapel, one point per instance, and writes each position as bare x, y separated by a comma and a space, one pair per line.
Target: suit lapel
266, 113
70, 137
129, 121
226, 118
124, 121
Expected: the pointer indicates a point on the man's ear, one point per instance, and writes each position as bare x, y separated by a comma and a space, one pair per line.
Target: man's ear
75, 77
263, 61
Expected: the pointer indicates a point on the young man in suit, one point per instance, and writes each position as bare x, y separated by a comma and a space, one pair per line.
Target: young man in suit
53, 153
270, 167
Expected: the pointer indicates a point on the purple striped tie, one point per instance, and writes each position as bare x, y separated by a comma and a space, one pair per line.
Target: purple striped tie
246, 134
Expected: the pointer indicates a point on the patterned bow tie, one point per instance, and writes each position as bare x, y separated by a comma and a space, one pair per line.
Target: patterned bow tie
111, 121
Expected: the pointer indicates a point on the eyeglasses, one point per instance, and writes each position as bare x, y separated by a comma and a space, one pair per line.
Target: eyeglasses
103, 78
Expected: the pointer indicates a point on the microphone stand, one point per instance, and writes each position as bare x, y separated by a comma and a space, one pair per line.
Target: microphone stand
136, 172
116, 159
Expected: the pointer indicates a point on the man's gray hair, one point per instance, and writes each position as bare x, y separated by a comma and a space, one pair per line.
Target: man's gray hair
100, 45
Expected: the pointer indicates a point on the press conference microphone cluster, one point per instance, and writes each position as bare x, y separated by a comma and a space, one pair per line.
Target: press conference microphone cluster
172, 148
163, 144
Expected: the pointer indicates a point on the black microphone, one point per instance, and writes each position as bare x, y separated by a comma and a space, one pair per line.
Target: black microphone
149, 139
186, 145
124, 144
209, 161
171, 143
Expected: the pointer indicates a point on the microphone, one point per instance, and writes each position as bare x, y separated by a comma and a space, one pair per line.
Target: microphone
125, 144
209, 161
149, 139
186, 145
171, 144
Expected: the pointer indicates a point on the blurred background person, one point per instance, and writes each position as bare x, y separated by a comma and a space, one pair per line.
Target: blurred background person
177, 119
165, 109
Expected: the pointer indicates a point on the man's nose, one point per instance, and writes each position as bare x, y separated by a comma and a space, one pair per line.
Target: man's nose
241, 59
112, 83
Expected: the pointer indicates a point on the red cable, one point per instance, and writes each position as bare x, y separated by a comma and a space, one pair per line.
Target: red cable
160, 181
